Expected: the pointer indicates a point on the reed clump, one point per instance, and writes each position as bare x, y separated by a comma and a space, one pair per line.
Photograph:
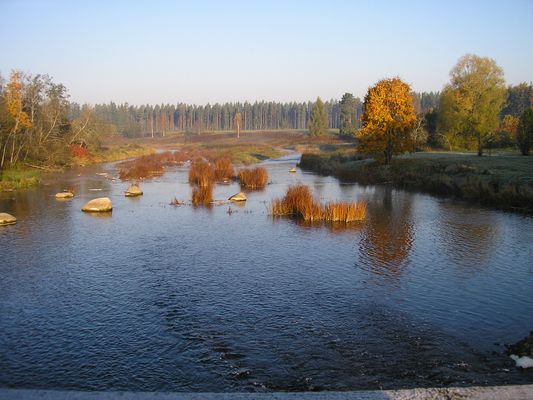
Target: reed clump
141, 168
299, 203
201, 173
223, 169
253, 178
202, 195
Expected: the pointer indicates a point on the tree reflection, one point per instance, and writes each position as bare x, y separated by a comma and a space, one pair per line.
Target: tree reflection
387, 239
468, 236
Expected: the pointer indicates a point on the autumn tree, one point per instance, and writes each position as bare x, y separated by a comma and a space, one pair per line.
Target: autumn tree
387, 120
472, 101
17, 120
318, 122
237, 121
524, 132
348, 114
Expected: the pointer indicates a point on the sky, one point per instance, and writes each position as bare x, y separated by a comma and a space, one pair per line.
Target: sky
199, 52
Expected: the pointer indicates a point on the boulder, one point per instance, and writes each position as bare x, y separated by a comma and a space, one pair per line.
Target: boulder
133, 191
64, 195
102, 204
238, 197
292, 170
7, 219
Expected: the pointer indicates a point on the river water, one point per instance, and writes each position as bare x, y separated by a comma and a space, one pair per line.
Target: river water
425, 292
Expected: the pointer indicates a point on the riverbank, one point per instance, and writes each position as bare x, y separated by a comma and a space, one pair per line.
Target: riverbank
501, 181
26, 176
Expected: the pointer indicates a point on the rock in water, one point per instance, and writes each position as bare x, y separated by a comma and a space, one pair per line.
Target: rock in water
292, 170
522, 362
64, 195
133, 190
7, 219
238, 197
102, 204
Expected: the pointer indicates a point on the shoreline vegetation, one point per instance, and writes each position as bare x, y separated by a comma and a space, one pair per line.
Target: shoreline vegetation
503, 181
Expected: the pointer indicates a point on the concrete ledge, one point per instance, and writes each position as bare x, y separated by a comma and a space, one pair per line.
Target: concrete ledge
522, 392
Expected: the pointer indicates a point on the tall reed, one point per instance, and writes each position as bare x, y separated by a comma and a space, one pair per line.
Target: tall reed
202, 195
299, 203
201, 173
223, 169
254, 178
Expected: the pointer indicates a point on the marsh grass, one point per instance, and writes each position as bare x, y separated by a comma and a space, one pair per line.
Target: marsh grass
201, 173
223, 169
202, 196
299, 203
19, 178
254, 178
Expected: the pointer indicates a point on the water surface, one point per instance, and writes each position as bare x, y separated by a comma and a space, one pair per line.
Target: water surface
152, 297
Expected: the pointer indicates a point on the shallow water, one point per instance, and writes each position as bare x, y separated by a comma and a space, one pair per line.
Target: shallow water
154, 297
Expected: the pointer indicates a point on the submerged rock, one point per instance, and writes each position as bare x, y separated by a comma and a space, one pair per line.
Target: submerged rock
522, 348
238, 197
64, 195
133, 191
7, 219
102, 204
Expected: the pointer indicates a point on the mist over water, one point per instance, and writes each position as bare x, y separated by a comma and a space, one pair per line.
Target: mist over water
425, 292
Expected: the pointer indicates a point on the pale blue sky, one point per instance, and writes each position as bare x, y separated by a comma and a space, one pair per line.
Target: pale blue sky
214, 51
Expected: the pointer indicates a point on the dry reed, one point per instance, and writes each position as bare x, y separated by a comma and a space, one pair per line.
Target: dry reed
201, 173
299, 203
223, 169
254, 178
202, 196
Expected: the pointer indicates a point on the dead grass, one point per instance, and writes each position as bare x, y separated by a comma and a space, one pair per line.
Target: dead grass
254, 178
223, 169
201, 173
142, 167
202, 196
299, 203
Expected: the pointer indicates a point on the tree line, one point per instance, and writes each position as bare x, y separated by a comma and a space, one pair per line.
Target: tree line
476, 110
158, 120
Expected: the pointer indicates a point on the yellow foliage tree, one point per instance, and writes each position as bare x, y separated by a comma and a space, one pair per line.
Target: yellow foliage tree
17, 117
387, 120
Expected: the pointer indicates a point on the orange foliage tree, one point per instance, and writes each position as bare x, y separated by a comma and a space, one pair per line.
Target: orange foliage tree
387, 120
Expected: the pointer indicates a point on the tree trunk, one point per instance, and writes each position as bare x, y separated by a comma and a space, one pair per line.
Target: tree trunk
479, 146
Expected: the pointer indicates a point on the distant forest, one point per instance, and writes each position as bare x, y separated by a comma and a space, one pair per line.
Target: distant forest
149, 120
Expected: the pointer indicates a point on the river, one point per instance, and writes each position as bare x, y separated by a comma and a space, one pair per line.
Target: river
425, 292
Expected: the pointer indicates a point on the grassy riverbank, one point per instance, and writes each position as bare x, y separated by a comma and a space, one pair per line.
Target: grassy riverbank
502, 181
19, 178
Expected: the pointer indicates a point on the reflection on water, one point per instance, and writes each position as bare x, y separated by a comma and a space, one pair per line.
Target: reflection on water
469, 238
388, 235
192, 299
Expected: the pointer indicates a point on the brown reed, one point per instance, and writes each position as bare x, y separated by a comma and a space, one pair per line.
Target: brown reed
202, 196
253, 178
223, 169
299, 203
201, 173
